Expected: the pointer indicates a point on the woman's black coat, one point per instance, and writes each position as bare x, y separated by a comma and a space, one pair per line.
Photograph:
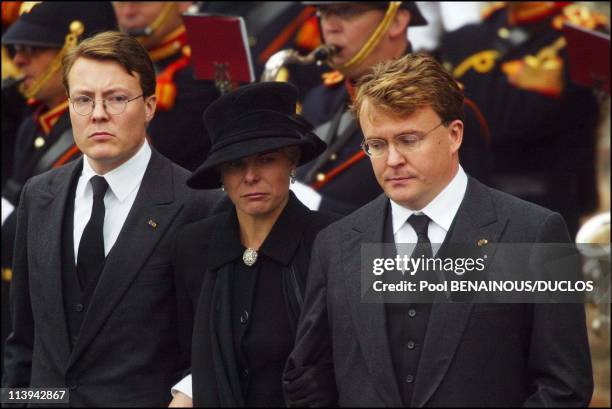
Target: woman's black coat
204, 254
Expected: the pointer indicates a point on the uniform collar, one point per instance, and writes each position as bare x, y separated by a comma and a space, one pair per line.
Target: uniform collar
46, 119
441, 210
170, 45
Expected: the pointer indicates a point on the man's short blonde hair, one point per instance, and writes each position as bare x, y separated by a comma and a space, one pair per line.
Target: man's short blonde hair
118, 47
402, 86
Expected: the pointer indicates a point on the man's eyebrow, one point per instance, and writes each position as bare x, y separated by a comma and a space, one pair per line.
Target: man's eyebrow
107, 92
404, 132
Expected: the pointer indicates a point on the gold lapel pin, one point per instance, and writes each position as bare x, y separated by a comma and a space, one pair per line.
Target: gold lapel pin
482, 242
152, 223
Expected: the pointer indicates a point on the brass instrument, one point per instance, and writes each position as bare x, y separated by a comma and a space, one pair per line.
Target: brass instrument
593, 241
289, 56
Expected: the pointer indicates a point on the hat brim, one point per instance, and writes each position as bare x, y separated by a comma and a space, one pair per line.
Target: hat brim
416, 17
26, 33
207, 177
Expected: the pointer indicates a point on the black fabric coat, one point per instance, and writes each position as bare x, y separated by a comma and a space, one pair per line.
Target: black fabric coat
204, 254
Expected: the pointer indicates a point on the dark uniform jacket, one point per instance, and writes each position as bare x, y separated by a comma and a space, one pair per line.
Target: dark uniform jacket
343, 174
127, 352
204, 258
472, 355
177, 130
542, 125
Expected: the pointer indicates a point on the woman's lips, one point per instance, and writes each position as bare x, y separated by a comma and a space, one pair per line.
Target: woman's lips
254, 196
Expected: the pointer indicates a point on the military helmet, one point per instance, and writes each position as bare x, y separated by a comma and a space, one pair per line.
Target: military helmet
47, 23
416, 18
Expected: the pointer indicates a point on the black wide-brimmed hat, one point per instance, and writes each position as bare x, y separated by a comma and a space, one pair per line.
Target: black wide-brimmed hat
416, 18
46, 24
253, 119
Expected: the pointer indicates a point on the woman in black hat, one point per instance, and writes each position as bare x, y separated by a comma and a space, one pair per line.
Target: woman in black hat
250, 262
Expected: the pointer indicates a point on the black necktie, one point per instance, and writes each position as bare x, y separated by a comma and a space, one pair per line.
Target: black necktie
420, 224
90, 258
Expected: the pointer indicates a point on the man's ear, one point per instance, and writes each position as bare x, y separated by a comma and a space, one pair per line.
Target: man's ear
400, 23
456, 134
150, 106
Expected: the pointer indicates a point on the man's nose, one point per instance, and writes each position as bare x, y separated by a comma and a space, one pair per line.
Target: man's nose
99, 111
395, 157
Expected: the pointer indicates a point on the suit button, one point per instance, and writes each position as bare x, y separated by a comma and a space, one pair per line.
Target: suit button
78, 307
75, 339
244, 317
411, 344
409, 379
412, 313
245, 373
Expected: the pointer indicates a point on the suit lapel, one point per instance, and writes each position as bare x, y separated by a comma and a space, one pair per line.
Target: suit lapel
136, 241
476, 219
48, 219
370, 318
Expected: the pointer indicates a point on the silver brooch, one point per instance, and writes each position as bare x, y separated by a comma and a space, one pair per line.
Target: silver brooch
249, 256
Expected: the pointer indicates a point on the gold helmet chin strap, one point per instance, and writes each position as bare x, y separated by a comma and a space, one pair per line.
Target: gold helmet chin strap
374, 39
76, 29
159, 20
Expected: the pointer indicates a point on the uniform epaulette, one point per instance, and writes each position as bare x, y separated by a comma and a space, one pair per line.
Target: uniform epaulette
579, 15
332, 78
491, 9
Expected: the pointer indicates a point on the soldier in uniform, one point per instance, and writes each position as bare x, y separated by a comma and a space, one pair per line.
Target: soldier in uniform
176, 131
364, 34
38, 40
514, 65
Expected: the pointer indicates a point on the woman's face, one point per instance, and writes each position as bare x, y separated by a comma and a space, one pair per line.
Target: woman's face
258, 184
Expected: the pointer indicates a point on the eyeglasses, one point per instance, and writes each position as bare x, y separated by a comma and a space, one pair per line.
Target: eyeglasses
344, 12
113, 104
375, 147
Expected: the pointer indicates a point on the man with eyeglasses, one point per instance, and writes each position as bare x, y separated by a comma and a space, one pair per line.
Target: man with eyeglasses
392, 351
37, 40
363, 34
93, 296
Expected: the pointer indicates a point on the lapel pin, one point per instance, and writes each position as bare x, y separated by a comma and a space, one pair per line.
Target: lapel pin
482, 242
152, 223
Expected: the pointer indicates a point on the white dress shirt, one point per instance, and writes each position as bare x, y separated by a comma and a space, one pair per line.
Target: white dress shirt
441, 210
123, 185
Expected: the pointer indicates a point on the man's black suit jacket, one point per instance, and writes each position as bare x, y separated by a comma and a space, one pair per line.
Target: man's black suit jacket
472, 354
128, 350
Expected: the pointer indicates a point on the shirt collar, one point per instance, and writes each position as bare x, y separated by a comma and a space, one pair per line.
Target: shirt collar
125, 178
441, 210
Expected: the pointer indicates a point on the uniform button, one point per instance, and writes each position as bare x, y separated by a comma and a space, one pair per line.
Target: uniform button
78, 307
412, 313
409, 379
244, 317
333, 156
245, 373
411, 344
320, 177
75, 339
73, 387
